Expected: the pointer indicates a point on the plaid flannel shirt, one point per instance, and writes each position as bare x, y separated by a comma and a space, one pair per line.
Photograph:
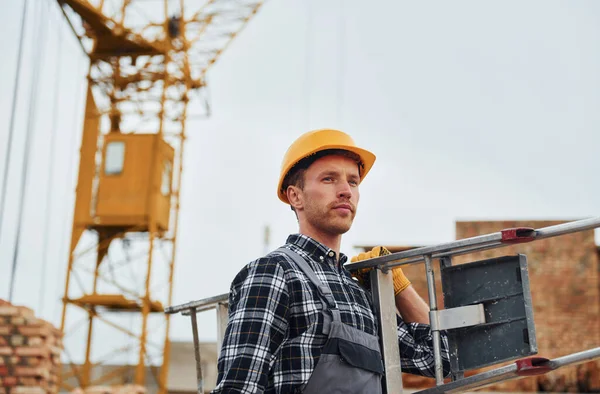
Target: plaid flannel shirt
274, 336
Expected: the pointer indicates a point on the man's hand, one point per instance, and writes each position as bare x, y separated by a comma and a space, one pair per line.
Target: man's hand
401, 282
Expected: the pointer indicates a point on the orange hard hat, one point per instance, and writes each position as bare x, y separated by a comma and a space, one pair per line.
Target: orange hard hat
316, 141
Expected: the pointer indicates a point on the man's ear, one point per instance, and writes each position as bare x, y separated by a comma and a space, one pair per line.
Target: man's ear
295, 197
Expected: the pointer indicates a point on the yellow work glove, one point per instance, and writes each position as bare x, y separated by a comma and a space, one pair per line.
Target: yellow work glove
401, 282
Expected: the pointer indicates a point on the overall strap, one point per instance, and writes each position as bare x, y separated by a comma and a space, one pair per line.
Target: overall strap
324, 291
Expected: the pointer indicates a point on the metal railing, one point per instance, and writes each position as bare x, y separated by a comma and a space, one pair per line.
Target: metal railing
220, 303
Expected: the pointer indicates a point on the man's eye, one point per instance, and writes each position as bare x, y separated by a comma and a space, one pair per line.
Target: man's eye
354, 183
328, 179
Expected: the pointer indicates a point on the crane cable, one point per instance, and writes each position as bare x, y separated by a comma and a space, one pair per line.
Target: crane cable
38, 53
308, 39
11, 126
50, 174
73, 167
341, 63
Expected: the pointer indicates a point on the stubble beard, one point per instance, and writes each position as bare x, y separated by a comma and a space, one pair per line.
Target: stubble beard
327, 220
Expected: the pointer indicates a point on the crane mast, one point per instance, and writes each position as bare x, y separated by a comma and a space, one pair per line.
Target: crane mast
147, 62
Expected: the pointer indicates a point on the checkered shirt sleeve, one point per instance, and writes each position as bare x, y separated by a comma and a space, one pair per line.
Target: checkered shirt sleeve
416, 349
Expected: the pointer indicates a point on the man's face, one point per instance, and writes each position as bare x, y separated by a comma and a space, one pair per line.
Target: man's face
330, 195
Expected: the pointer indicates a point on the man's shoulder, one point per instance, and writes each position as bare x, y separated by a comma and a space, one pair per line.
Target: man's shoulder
272, 272
274, 263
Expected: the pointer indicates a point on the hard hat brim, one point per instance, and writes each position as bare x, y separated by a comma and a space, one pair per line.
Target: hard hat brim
366, 157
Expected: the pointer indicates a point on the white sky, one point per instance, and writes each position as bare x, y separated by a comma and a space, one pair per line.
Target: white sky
475, 110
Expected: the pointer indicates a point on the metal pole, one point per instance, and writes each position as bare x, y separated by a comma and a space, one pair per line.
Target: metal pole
566, 228
437, 345
197, 350
486, 378
199, 305
516, 370
574, 358
382, 288
469, 245
222, 319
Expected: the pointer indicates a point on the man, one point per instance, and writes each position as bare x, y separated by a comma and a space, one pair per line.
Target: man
298, 321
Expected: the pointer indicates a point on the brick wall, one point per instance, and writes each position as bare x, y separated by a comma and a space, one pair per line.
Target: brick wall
30, 351
565, 286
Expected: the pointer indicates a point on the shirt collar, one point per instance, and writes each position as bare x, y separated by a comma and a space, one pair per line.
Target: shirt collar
314, 249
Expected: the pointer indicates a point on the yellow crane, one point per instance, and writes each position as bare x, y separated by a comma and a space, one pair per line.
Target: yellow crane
147, 57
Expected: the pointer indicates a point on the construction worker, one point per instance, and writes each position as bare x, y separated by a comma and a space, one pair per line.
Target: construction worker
298, 321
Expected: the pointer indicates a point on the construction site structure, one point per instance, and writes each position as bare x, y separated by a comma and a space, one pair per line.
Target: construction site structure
488, 312
148, 65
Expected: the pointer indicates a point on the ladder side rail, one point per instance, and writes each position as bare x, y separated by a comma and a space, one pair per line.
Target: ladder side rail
207, 303
482, 242
517, 370
435, 329
197, 356
220, 304
222, 320
382, 289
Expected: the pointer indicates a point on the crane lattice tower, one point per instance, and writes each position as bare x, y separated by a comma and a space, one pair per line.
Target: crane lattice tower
147, 65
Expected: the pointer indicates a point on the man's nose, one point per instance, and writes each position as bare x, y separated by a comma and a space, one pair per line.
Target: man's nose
344, 191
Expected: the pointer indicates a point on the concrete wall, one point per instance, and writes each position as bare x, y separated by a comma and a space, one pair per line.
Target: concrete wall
182, 371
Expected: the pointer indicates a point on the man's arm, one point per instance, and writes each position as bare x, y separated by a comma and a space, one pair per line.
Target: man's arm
257, 325
415, 336
412, 307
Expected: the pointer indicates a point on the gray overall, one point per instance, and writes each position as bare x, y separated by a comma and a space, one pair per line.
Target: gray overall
350, 361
